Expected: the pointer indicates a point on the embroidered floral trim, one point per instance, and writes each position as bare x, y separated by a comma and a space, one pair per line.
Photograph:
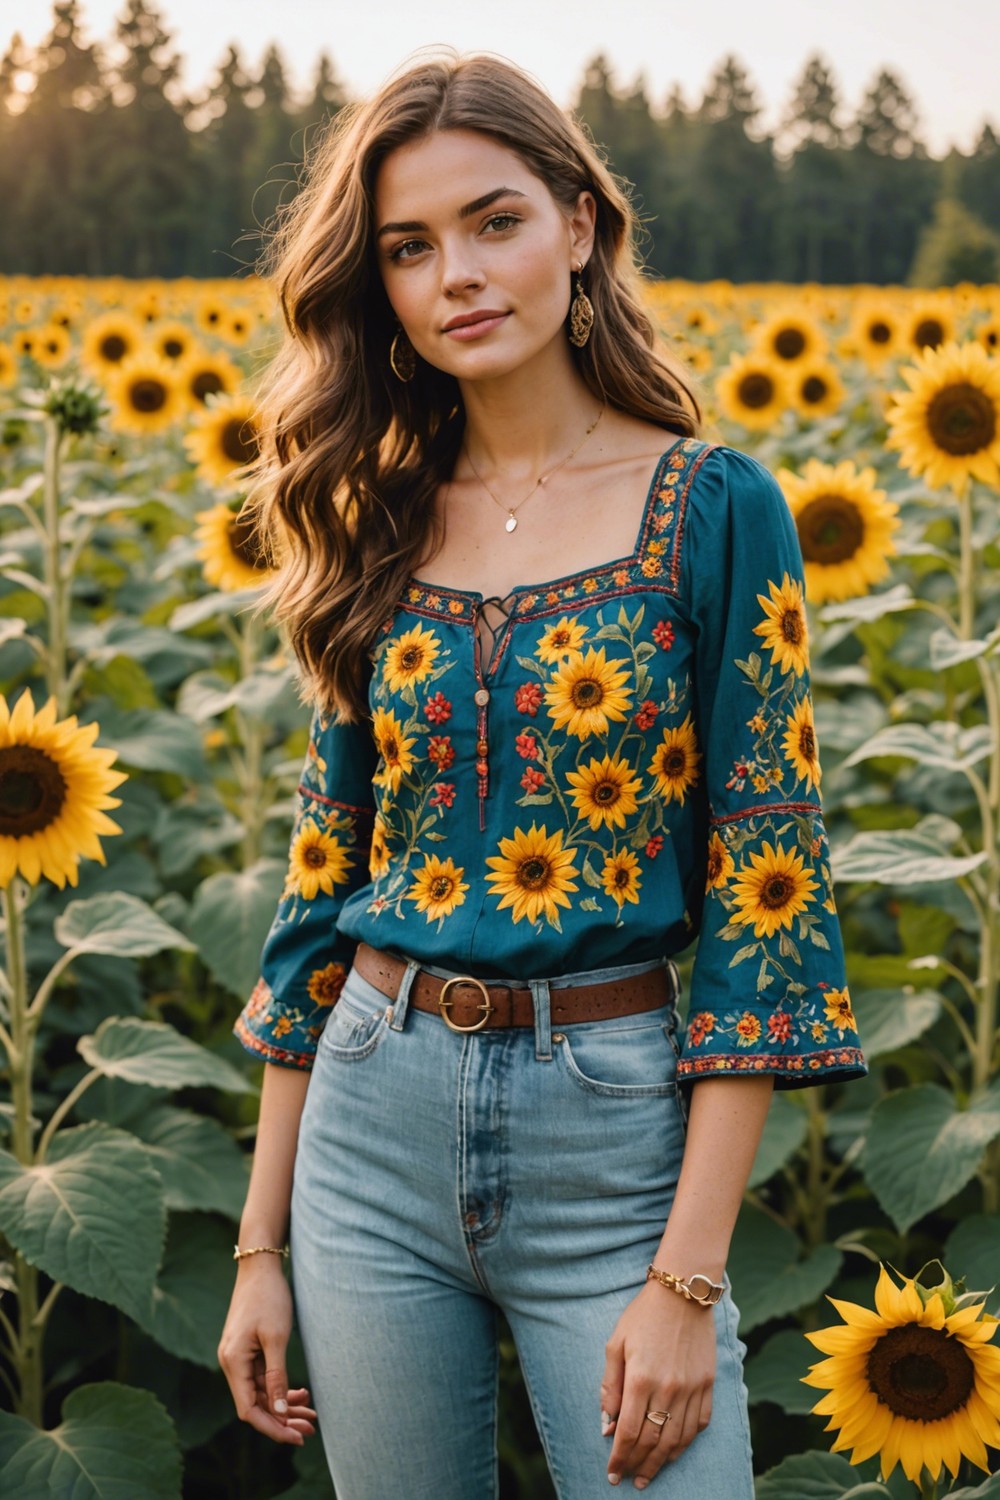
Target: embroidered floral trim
813, 1062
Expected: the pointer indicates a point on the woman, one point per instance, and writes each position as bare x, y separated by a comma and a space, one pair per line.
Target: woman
557, 653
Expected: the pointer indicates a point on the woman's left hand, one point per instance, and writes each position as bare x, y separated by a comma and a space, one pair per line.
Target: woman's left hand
660, 1357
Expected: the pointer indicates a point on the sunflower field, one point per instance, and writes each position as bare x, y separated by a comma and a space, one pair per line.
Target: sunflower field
151, 738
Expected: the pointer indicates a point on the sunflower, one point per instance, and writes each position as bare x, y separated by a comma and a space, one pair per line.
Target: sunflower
173, 339
586, 691
800, 744
438, 887
145, 392
816, 388
772, 889
410, 658
324, 985
753, 389
378, 858
720, 863
620, 877
674, 763
988, 334
52, 785
928, 323
532, 874
838, 1010
875, 329
229, 550
237, 326
8, 365
223, 439
785, 632
211, 311
845, 525
107, 340
916, 1381
204, 375
560, 641
317, 861
947, 425
53, 345
393, 747
605, 792
789, 335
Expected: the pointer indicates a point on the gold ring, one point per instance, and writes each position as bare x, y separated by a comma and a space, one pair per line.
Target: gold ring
465, 979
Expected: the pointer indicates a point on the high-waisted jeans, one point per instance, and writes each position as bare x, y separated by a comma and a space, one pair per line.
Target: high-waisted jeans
439, 1176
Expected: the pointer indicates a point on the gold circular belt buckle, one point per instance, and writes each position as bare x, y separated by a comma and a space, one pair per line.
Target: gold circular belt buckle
443, 1003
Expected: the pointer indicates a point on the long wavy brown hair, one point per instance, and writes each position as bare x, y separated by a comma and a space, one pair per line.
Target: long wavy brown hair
340, 496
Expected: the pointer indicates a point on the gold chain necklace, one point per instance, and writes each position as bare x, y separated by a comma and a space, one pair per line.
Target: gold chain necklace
511, 522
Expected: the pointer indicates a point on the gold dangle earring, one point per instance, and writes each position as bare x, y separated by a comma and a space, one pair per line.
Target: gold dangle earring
581, 314
402, 356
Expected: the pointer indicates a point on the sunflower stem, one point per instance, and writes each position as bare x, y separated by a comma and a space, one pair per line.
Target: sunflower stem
928, 1486
56, 664
26, 1355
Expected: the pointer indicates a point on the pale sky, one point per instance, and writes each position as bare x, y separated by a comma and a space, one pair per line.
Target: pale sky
947, 59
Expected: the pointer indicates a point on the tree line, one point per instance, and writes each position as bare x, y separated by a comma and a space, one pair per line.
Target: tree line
108, 166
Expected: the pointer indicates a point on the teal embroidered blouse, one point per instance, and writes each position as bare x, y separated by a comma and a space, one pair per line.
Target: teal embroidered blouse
634, 766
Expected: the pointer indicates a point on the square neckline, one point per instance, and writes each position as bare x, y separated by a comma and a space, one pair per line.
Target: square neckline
548, 584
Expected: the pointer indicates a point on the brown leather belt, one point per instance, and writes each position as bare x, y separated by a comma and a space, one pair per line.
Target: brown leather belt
469, 1004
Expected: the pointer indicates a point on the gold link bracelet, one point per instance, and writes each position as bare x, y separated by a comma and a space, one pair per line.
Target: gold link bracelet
238, 1254
677, 1284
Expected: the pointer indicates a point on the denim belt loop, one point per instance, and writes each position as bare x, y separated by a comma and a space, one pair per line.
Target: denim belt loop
543, 1019
401, 1004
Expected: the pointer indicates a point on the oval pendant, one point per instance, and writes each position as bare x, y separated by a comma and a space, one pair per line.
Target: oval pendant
510, 524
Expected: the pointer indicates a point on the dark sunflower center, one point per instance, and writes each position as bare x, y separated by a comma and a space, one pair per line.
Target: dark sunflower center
622, 878
606, 791
962, 418
173, 348
315, 857
789, 343
440, 887
244, 540
587, 693
390, 747
923, 1374
560, 637
533, 873
113, 347
411, 659
879, 332
928, 334
239, 441
807, 741
756, 390
147, 395
814, 390
830, 529
205, 383
32, 791
673, 762
776, 892
792, 627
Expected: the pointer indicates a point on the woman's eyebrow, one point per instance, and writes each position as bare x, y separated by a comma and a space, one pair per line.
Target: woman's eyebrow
463, 213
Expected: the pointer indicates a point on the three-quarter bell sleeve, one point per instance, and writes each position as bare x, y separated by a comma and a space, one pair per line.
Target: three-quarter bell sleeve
304, 960
768, 989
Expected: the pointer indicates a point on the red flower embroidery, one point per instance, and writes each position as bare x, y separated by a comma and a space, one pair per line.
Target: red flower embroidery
701, 1025
438, 709
654, 845
441, 751
527, 746
646, 717
528, 698
443, 794
779, 1026
533, 780
663, 634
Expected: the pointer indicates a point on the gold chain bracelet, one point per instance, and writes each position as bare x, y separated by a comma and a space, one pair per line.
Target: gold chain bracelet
238, 1254
707, 1298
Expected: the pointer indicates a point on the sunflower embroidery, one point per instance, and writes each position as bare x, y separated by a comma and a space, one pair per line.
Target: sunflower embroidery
438, 888
604, 792
532, 874
674, 763
317, 862
587, 692
784, 629
409, 658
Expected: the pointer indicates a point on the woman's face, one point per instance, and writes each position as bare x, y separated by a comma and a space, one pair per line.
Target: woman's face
514, 254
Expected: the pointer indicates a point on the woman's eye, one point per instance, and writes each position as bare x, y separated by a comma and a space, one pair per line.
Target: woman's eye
397, 254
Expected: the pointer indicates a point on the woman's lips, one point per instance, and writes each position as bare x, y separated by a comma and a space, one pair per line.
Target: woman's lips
474, 330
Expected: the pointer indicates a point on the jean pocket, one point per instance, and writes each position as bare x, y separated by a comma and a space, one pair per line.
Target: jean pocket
625, 1061
358, 1023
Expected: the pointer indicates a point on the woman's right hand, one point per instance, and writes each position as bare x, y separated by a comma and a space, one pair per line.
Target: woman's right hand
251, 1354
